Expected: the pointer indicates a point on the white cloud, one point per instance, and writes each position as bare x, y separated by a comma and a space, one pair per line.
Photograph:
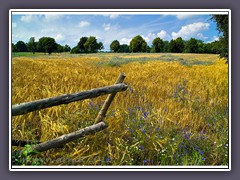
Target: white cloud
215, 38
190, 30
125, 41
59, 37
201, 36
14, 25
162, 34
111, 16
184, 16
106, 26
84, 24
28, 18
149, 38
52, 17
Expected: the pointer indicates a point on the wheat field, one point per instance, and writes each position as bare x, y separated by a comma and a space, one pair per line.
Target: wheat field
175, 111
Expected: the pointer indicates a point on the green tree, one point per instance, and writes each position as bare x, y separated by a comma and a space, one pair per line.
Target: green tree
166, 46
124, 48
91, 45
21, 46
32, 45
222, 27
157, 45
14, 48
74, 50
138, 44
47, 44
81, 43
177, 45
191, 46
115, 46
59, 48
100, 46
67, 48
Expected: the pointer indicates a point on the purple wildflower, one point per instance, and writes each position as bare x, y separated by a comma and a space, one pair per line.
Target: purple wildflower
108, 159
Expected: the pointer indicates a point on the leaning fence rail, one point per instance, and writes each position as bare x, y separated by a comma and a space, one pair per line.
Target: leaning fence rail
99, 124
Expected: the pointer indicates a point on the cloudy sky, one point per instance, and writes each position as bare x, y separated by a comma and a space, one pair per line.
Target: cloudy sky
69, 28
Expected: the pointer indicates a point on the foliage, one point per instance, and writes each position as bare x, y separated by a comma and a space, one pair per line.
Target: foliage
67, 48
115, 46
91, 45
222, 26
21, 46
75, 50
81, 43
157, 45
192, 46
47, 44
27, 157
100, 46
14, 48
32, 45
171, 114
124, 48
177, 45
166, 46
138, 44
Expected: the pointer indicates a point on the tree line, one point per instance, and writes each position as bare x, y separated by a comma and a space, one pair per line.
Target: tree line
138, 44
45, 44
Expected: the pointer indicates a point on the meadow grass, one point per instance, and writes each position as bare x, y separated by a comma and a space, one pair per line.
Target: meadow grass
173, 113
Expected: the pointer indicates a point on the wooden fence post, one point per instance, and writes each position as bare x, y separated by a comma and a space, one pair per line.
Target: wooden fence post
102, 113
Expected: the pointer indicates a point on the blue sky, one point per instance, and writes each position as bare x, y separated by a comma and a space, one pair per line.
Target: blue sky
69, 28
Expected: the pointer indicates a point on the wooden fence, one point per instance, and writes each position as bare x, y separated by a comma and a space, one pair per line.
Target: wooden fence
99, 124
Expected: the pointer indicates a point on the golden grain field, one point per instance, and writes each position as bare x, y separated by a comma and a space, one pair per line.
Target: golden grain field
175, 111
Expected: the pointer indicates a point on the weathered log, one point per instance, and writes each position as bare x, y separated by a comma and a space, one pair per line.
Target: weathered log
102, 113
57, 142
24, 108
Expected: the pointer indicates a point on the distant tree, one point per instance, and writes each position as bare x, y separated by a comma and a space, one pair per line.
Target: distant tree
32, 45
59, 48
14, 48
177, 45
216, 47
100, 46
222, 27
81, 43
67, 48
191, 46
157, 45
115, 46
148, 49
47, 44
21, 46
200, 46
74, 50
166, 46
138, 44
124, 48
91, 45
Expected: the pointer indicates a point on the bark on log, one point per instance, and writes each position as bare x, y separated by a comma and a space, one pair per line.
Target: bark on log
57, 142
108, 101
24, 108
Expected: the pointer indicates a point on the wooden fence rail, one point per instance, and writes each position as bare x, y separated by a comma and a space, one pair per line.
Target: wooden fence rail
99, 124
24, 108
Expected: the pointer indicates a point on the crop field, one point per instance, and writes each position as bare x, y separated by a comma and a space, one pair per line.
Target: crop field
175, 111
